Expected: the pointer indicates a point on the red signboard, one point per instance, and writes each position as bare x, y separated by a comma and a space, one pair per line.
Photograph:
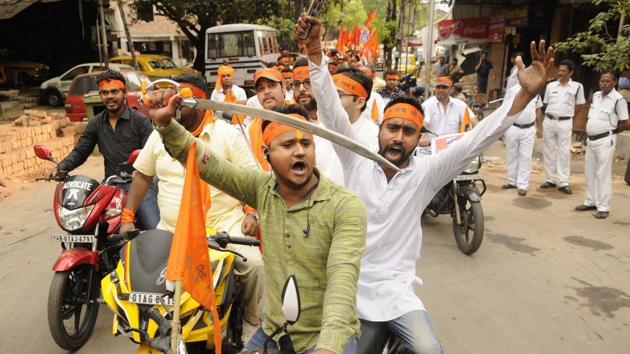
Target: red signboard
463, 30
496, 29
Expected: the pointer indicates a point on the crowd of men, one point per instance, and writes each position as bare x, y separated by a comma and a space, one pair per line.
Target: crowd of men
347, 227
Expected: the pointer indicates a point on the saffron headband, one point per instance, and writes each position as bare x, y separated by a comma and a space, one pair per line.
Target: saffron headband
274, 129
346, 84
404, 111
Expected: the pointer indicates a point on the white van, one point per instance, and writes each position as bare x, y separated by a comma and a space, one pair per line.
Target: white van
246, 47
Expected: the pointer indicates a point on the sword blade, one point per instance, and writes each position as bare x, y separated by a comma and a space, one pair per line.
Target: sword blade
329, 135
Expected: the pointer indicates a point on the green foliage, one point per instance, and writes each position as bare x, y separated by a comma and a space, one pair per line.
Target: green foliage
598, 48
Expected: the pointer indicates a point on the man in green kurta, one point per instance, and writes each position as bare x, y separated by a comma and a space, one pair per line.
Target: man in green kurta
312, 228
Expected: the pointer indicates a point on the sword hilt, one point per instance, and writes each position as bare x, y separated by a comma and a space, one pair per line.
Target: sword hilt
314, 10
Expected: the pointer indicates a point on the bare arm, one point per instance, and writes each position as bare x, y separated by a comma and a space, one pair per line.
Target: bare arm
139, 187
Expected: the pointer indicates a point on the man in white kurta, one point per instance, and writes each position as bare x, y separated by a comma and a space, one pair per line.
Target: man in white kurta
607, 116
562, 97
386, 298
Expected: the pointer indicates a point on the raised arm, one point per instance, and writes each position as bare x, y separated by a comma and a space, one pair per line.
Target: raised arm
329, 108
241, 183
451, 162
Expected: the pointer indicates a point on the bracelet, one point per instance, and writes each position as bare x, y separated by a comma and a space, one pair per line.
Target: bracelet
128, 216
317, 50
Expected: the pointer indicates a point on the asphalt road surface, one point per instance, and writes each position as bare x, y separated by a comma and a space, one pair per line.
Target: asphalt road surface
546, 279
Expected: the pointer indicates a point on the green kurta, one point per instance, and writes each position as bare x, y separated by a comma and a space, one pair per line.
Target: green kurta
325, 263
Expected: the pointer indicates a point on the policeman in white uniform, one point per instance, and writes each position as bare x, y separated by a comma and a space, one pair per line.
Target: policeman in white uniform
519, 142
562, 97
607, 116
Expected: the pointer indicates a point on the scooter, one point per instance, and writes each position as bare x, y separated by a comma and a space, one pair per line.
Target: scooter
136, 293
88, 212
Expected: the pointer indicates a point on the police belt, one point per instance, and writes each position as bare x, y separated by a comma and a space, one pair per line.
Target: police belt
602, 135
524, 126
557, 118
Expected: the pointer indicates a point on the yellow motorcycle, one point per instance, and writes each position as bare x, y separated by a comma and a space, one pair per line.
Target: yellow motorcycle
137, 294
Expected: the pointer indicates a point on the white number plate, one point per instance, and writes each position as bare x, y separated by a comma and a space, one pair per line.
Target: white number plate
468, 177
74, 238
149, 298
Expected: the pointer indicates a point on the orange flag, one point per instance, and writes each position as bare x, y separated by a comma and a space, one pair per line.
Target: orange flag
188, 259
370, 18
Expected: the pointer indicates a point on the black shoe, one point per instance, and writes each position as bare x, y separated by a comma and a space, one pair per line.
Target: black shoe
508, 186
601, 215
522, 192
548, 185
565, 190
584, 207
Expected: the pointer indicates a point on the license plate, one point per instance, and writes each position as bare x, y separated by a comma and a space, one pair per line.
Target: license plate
74, 238
150, 298
468, 177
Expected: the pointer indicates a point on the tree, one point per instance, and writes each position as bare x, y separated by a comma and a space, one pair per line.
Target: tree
194, 17
598, 47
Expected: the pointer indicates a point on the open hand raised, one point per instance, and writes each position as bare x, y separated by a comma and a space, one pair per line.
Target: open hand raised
534, 77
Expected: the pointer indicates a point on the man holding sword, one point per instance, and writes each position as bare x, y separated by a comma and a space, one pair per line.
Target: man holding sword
386, 301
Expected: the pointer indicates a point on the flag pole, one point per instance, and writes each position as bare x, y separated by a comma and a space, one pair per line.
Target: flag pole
175, 324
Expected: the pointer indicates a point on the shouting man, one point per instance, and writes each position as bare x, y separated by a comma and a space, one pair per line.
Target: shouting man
386, 301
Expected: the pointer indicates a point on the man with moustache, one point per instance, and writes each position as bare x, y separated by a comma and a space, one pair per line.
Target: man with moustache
386, 301
118, 131
314, 230
223, 213
327, 161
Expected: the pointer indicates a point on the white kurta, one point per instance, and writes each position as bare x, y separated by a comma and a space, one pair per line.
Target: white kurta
394, 234
443, 122
366, 132
375, 98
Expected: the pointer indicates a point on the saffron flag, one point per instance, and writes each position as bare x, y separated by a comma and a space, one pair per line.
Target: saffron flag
188, 259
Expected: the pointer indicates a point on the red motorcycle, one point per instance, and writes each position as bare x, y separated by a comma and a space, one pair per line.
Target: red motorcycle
90, 214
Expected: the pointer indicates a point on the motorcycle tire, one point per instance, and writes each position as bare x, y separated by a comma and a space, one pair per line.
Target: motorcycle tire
469, 233
67, 290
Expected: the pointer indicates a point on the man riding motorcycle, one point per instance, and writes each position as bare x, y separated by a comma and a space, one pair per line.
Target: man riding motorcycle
223, 212
313, 229
118, 131
386, 301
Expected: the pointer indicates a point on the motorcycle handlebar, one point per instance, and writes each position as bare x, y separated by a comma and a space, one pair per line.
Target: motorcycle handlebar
127, 236
223, 239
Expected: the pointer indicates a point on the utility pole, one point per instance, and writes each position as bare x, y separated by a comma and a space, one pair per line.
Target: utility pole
401, 24
429, 51
127, 34
104, 34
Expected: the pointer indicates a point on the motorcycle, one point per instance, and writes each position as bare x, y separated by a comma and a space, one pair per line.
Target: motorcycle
88, 212
462, 200
137, 294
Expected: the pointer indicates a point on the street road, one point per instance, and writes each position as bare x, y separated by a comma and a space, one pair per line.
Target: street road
545, 280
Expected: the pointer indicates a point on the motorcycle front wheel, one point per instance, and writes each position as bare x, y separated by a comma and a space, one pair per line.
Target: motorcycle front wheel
468, 233
71, 314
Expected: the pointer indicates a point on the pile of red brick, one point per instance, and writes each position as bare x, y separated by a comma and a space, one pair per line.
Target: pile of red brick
55, 131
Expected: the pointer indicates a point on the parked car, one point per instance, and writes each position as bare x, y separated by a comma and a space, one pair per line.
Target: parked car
21, 72
54, 91
153, 65
84, 89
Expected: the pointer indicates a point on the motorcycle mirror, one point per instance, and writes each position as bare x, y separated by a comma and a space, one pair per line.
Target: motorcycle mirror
133, 156
43, 153
291, 300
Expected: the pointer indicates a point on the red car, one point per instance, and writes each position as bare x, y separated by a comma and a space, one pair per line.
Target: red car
85, 85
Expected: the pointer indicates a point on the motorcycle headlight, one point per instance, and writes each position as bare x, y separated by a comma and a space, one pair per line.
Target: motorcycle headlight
73, 219
473, 167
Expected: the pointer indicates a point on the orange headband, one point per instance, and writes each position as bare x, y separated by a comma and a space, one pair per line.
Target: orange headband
196, 91
301, 72
287, 74
106, 85
404, 111
274, 129
392, 76
350, 86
